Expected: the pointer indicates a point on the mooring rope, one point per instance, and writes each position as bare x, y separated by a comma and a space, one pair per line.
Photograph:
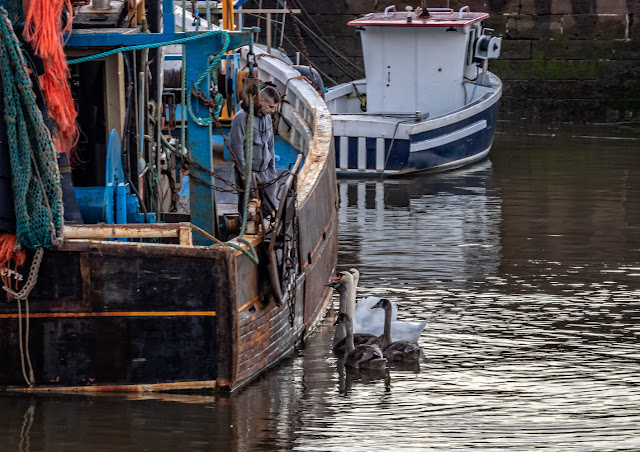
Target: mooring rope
23, 295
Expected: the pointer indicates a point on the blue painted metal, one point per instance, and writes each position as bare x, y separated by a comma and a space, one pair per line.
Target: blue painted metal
113, 204
109, 205
121, 203
114, 173
198, 52
91, 202
102, 40
203, 201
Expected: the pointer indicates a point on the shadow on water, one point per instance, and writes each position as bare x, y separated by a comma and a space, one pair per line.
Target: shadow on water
530, 264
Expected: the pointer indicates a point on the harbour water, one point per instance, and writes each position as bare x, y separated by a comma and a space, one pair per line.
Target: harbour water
529, 264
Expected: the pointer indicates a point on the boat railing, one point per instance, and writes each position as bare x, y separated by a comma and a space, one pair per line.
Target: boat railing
389, 9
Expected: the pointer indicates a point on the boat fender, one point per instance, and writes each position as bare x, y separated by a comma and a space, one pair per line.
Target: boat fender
306, 71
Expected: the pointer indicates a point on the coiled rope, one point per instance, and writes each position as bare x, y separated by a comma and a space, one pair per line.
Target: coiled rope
218, 98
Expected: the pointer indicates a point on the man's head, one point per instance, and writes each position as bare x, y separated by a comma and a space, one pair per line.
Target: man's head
269, 99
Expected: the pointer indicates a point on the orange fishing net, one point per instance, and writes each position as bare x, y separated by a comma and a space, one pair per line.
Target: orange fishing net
8, 255
43, 29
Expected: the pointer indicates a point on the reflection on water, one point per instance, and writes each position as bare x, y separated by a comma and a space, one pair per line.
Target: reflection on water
530, 264
449, 223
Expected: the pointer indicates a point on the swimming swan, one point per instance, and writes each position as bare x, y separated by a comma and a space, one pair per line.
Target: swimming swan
399, 351
362, 312
400, 331
339, 337
361, 356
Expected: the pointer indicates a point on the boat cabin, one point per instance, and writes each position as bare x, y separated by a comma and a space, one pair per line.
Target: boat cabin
428, 56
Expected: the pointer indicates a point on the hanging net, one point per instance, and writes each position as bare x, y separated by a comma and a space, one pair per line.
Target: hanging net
34, 170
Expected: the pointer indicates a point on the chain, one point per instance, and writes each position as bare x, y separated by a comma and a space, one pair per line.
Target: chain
304, 48
291, 267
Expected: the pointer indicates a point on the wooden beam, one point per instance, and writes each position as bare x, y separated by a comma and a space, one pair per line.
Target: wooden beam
132, 231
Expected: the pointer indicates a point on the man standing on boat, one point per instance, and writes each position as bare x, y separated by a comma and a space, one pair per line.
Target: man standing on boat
263, 165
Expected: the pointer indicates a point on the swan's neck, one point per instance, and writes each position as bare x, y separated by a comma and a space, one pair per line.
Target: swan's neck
386, 338
348, 346
351, 293
344, 297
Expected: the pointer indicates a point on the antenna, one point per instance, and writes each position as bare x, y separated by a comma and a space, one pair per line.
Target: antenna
425, 10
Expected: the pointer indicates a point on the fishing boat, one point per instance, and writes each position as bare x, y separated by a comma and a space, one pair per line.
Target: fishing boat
155, 280
428, 102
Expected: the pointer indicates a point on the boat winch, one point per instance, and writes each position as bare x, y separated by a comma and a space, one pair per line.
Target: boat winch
488, 46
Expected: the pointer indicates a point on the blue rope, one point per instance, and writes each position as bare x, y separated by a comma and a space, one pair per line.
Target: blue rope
208, 121
474, 90
149, 46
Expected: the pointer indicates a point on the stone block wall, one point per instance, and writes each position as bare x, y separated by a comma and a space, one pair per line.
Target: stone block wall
562, 60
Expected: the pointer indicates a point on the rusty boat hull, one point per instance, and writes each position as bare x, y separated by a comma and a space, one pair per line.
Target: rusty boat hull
125, 316
109, 315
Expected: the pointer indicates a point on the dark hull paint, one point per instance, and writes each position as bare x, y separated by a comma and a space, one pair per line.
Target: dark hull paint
125, 316
474, 145
401, 161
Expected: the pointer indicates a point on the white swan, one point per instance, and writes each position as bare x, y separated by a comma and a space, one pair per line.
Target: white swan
362, 312
400, 331
367, 315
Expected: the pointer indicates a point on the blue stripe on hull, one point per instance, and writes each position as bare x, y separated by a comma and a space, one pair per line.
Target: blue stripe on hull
399, 155
449, 154
371, 153
454, 152
353, 152
396, 160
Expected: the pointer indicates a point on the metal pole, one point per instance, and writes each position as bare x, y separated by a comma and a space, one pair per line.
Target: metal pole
284, 16
268, 32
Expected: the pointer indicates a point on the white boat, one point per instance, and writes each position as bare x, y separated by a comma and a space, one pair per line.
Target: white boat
428, 102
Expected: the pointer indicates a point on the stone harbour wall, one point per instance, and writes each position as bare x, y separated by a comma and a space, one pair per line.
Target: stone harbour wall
562, 60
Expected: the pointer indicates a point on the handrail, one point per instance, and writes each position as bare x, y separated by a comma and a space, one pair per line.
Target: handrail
389, 8
462, 9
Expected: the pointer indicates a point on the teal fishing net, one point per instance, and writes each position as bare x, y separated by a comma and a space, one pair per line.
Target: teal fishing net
34, 168
14, 11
